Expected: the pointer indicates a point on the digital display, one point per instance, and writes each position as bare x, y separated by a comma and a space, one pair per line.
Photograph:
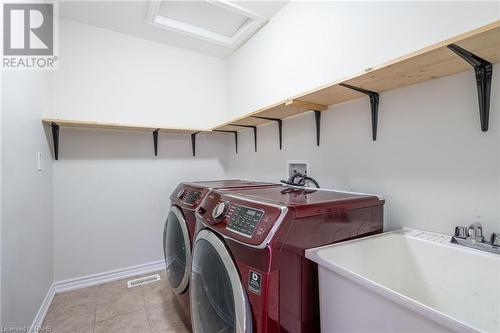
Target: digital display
192, 197
244, 220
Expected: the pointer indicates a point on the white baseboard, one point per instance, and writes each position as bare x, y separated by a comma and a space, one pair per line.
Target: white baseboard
40, 315
109, 276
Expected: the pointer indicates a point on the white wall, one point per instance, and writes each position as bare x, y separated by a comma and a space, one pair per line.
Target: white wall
309, 43
108, 76
111, 194
431, 161
26, 206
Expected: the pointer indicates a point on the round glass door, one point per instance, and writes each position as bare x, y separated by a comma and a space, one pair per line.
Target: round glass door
176, 248
218, 300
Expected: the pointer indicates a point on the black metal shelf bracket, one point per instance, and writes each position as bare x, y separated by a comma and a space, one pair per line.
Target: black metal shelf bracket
374, 99
280, 127
193, 142
235, 137
317, 118
55, 139
254, 132
155, 141
484, 72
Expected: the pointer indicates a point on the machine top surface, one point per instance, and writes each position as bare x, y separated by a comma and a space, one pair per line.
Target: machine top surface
189, 194
229, 183
253, 216
299, 196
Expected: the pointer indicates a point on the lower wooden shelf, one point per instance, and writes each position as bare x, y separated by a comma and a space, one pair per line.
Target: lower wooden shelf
119, 126
56, 123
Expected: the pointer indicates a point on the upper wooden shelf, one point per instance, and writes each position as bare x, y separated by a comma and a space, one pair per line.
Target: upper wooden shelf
281, 110
426, 64
120, 126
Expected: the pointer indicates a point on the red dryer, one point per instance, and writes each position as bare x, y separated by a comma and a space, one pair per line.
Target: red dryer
179, 229
249, 270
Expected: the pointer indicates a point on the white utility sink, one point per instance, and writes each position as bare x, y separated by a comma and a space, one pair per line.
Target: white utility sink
407, 281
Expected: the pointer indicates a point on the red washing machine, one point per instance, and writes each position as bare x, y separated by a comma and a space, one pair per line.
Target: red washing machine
249, 270
179, 229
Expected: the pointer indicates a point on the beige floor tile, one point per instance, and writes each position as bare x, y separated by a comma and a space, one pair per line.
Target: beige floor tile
71, 319
156, 292
132, 322
116, 303
75, 297
113, 307
163, 317
113, 288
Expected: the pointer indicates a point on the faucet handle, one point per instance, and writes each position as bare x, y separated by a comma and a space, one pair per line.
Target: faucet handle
495, 239
476, 232
461, 232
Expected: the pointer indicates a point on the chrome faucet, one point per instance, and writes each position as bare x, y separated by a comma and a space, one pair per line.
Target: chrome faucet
473, 237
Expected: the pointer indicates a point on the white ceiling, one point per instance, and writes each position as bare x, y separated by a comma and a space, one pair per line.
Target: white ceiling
210, 27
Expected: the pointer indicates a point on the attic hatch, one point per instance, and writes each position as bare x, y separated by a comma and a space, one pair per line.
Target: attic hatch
216, 21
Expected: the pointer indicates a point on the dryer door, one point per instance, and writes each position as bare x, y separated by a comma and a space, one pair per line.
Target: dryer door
177, 250
218, 301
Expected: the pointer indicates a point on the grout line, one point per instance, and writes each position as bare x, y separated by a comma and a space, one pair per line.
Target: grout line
95, 311
120, 314
145, 307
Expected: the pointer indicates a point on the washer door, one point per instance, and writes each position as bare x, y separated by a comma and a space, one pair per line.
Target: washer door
177, 250
218, 301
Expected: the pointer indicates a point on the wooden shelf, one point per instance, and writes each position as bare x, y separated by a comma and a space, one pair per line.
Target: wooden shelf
480, 47
120, 126
154, 130
282, 110
426, 64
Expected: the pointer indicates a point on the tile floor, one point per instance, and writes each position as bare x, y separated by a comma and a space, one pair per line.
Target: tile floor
112, 307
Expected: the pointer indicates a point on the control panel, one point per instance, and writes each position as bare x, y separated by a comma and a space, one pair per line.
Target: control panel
192, 196
241, 219
244, 220
187, 196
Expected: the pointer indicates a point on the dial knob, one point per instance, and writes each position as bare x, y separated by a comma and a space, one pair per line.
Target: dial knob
219, 210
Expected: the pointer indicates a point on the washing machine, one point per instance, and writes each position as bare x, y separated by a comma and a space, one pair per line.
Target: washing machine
178, 232
249, 270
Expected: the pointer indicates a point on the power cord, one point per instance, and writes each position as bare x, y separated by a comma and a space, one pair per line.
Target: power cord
298, 179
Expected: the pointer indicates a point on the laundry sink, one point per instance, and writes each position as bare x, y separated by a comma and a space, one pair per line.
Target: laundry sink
407, 281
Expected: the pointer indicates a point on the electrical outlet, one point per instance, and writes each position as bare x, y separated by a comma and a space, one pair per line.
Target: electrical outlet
297, 166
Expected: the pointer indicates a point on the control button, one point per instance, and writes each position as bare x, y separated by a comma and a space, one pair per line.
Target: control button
219, 210
181, 192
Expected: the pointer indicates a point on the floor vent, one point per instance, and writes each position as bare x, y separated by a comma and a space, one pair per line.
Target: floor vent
143, 280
